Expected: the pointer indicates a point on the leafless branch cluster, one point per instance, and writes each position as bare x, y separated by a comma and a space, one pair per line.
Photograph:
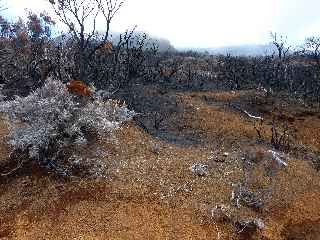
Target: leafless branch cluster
80, 16
30, 54
282, 136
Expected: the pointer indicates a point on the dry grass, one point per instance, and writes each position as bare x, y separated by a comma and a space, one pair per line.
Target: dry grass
150, 192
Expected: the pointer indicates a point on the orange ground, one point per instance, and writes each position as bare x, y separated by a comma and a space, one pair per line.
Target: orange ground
150, 192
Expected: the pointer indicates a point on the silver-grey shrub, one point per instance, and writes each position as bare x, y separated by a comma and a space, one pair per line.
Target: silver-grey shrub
50, 123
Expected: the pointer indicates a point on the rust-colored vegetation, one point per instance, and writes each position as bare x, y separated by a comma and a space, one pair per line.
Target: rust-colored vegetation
79, 88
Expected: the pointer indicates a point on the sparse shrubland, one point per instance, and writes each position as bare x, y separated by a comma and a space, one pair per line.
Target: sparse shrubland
30, 54
229, 143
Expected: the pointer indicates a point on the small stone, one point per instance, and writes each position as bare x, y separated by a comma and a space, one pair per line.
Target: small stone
199, 169
225, 154
241, 195
259, 223
221, 213
250, 225
156, 149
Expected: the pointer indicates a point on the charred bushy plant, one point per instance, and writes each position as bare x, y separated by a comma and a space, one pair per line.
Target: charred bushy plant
282, 136
119, 64
80, 17
92, 56
25, 53
51, 123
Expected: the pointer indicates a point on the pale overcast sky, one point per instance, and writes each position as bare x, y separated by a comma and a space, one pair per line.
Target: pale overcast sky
210, 23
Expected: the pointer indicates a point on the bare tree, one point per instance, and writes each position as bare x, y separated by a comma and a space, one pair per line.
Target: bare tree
312, 48
81, 16
280, 68
280, 42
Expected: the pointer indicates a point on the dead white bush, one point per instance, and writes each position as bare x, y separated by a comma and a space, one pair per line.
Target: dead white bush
50, 123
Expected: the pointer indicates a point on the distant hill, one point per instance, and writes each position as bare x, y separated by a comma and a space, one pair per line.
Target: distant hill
238, 50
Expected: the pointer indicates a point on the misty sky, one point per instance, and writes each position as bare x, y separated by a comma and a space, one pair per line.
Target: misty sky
209, 23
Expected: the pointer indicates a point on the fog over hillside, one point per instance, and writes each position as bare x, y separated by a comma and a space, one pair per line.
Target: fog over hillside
238, 50
163, 44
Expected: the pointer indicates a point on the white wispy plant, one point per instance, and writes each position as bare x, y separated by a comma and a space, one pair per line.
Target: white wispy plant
51, 119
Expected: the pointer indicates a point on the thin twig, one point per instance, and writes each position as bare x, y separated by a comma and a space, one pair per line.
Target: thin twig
247, 113
13, 170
